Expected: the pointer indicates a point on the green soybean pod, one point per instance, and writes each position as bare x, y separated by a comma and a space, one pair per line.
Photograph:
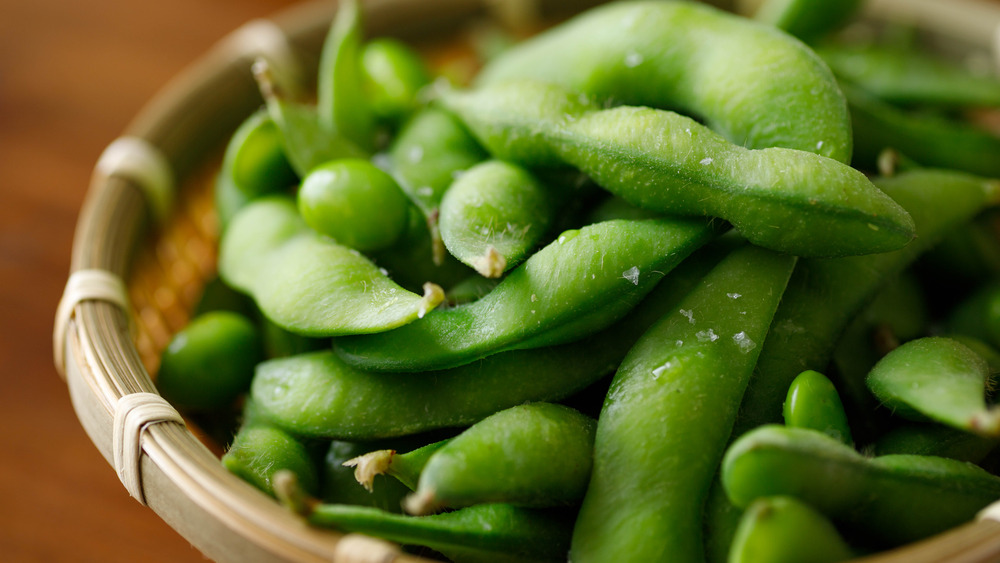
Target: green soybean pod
209, 362
260, 450
910, 76
936, 440
936, 378
255, 158
308, 284
895, 499
607, 267
306, 141
809, 20
359, 405
669, 413
813, 402
394, 75
536, 455
355, 203
787, 200
930, 140
782, 529
695, 59
342, 106
493, 216
431, 148
486, 532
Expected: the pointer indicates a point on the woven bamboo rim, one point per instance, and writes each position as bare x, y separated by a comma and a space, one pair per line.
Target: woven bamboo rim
110, 351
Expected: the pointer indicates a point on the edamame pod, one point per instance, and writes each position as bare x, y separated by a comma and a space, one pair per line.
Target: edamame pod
909, 76
429, 151
697, 59
260, 450
782, 529
895, 499
308, 284
486, 529
493, 216
255, 158
809, 20
930, 140
936, 378
535, 455
306, 141
342, 106
607, 267
669, 413
787, 200
358, 405
813, 403
394, 75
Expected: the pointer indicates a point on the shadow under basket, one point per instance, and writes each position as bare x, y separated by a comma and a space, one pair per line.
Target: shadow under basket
145, 247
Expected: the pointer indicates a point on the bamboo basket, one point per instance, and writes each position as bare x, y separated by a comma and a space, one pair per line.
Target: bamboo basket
137, 270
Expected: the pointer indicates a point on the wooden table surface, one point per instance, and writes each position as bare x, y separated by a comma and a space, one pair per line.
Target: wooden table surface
72, 75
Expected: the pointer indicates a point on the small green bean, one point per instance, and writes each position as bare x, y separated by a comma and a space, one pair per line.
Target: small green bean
813, 403
210, 362
355, 203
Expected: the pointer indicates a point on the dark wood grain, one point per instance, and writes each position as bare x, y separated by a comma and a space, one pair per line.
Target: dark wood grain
72, 76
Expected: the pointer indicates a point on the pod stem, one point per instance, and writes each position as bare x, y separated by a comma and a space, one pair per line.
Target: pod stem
491, 264
421, 503
986, 423
433, 296
367, 466
291, 494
